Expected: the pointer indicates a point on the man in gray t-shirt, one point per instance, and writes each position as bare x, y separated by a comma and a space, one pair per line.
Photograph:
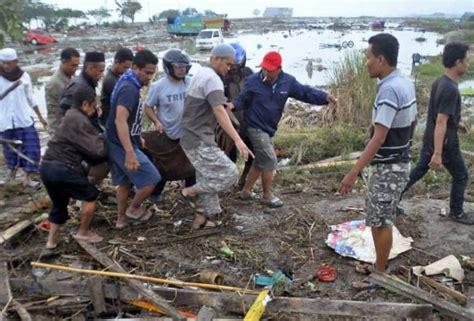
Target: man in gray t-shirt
204, 108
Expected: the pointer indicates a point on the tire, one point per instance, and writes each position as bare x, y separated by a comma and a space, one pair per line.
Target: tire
350, 44
344, 44
34, 41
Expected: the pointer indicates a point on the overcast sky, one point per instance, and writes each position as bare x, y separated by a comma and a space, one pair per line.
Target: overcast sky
245, 8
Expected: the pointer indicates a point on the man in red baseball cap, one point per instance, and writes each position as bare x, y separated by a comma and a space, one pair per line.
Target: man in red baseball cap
263, 99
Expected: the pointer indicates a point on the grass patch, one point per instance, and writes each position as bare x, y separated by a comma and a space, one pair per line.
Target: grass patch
469, 92
314, 144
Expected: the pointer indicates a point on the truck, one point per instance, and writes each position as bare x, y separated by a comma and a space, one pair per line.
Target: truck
208, 38
192, 25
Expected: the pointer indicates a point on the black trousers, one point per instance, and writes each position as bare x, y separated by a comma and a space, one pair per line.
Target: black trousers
453, 161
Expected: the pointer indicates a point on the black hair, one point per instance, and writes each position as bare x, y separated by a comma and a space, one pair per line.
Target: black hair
122, 55
452, 52
145, 57
81, 94
68, 53
384, 44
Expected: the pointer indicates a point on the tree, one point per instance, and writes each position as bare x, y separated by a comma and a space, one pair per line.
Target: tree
99, 14
128, 8
170, 13
10, 22
208, 12
190, 12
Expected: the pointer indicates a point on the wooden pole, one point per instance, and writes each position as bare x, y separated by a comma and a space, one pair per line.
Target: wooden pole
142, 278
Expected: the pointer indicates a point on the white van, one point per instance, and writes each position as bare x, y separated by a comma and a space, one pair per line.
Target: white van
208, 38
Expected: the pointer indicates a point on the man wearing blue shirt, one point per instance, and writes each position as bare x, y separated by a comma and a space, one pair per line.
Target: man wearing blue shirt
263, 98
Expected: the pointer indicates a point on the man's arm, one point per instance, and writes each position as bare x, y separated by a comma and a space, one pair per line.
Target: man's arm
123, 132
439, 134
150, 113
309, 94
243, 99
224, 121
377, 140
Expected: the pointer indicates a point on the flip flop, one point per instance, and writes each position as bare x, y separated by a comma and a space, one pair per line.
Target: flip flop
364, 268
145, 216
365, 284
206, 224
190, 201
248, 196
94, 239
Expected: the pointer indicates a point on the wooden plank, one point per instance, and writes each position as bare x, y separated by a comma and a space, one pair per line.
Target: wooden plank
235, 303
97, 295
10, 232
395, 285
206, 314
136, 285
470, 299
458, 296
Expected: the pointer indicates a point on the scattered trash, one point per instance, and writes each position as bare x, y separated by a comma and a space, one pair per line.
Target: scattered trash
38, 272
211, 277
44, 226
284, 162
177, 223
448, 266
258, 307
153, 308
443, 212
325, 273
225, 250
354, 239
141, 239
276, 279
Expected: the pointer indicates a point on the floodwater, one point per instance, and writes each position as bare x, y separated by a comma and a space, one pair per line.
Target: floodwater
305, 53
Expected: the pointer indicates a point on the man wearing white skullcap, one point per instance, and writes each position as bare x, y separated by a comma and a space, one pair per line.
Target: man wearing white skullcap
16, 118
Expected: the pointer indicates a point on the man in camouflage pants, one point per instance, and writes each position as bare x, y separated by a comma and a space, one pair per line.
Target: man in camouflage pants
204, 107
388, 151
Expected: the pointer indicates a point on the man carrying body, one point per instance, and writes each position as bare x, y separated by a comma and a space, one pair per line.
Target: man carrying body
122, 62
263, 98
128, 164
440, 141
388, 151
57, 84
16, 118
167, 96
204, 108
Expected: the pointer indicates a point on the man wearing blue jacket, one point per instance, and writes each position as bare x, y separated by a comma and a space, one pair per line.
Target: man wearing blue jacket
264, 97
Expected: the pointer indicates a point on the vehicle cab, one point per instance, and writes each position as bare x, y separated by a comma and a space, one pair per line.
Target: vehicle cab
208, 38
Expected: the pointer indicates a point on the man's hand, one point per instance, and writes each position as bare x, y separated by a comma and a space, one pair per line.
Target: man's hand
462, 128
348, 182
159, 126
331, 99
44, 122
229, 106
244, 151
436, 161
131, 161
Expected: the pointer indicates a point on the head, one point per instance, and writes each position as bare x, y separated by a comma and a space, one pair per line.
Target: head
8, 59
382, 55
455, 57
176, 64
69, 61
271, 66
240, 59
84, 100
94, 65
222, 58
122, 61
144, 65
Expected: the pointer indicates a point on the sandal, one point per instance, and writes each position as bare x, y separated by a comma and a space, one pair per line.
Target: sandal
206, 223
248, 196
90, 239
274, 202
364, 284
143, 217
188, 200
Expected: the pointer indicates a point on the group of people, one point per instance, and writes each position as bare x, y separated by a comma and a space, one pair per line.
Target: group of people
223, 102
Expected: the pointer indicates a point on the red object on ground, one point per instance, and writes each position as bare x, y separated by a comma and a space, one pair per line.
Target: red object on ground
38, 37
325, 273
44, 226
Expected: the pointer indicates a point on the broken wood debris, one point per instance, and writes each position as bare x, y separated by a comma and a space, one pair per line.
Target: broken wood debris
235, 303
140, 288
395, 285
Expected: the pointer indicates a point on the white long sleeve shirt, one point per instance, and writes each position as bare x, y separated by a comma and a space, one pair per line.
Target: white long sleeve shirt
16, 109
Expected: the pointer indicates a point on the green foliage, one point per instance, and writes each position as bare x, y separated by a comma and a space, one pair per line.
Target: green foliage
350, 82
99, 14
314, 144
128, 8
190, 12
170, 13
10, 21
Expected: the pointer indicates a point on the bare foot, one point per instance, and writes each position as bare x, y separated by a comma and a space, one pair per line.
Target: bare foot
53, 240
121, 222
89, 236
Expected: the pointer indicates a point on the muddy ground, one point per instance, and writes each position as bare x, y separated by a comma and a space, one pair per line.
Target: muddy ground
290, 238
